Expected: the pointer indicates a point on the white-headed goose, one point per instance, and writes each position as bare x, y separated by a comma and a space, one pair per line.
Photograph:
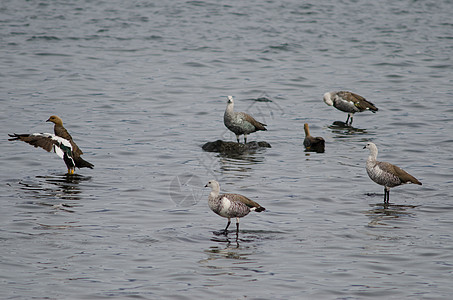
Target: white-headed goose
348, 102
385, 173
230, 205
240, 122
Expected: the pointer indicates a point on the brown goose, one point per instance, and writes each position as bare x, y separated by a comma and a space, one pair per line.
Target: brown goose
61, 143
385, 173
348, 102
240, 122
311, 143
230, 205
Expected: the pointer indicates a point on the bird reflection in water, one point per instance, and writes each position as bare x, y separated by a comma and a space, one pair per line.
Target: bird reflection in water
381, 213
343, 129
50, 188
216, 252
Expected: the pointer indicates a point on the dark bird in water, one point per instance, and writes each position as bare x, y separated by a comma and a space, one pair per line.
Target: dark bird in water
385, 173
61, 143
311, 143
240, 122
230, 205
348, 102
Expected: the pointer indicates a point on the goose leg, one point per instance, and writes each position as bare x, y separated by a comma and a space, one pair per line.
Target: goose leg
350, 123
245, 138
225, 231
237, 227
237, 137
347, 120
386, 195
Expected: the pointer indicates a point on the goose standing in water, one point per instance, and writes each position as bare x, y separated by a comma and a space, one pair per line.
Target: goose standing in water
240, 122
230, 205
311, 143
348, 102
61, 143
385, 173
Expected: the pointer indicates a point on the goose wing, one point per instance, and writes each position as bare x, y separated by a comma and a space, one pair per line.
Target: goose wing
360, 102
63, 133
47, 141
251, 120
244, 200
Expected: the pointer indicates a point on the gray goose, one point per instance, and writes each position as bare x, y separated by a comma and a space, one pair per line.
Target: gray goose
348, 102
385, 173
61, 143
230, 205
313, 143
240, 122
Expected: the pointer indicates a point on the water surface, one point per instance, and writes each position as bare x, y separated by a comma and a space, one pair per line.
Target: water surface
142, 86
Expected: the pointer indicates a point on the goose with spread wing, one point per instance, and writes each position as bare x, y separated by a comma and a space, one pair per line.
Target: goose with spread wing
60, 142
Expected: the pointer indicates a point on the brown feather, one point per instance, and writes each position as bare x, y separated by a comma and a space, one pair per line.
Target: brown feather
37, 141
251, 120
398, 172
317, 143
245, 200
60, 131
359, 101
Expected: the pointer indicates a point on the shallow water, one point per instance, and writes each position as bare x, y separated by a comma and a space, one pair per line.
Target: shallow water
142, 86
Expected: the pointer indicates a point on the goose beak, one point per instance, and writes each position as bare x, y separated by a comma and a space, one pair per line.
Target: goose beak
364, 147
206, 186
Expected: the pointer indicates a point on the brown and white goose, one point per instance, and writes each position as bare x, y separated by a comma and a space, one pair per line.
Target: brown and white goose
311, 143
61, 143
230, 205
348, 102
385, 173
240, 122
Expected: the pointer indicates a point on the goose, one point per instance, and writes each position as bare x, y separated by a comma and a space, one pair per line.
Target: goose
313, 143
385, 173
230, 205
60, 142
348, 102
240, 122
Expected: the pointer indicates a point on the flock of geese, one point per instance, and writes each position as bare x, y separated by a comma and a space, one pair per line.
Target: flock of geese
240, 123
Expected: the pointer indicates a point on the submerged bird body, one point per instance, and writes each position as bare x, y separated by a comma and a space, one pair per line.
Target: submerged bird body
61, 143
230, 205
313, 143
348, 102
385, 173
239, 122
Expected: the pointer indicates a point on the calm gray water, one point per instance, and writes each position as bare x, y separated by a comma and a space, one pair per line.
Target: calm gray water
141, 85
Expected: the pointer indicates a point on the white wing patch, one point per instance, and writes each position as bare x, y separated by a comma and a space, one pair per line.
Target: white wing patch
57, 147
224, 206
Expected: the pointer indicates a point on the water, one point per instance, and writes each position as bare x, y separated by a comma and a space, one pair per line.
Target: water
142, 85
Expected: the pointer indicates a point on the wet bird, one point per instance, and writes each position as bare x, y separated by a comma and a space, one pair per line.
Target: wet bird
61, 143
348, 102
230, 205
385, 173
311, 143
240, 122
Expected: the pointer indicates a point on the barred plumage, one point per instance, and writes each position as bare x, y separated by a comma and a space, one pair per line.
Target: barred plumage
240, 122
230, 205
348, 102
385, 173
